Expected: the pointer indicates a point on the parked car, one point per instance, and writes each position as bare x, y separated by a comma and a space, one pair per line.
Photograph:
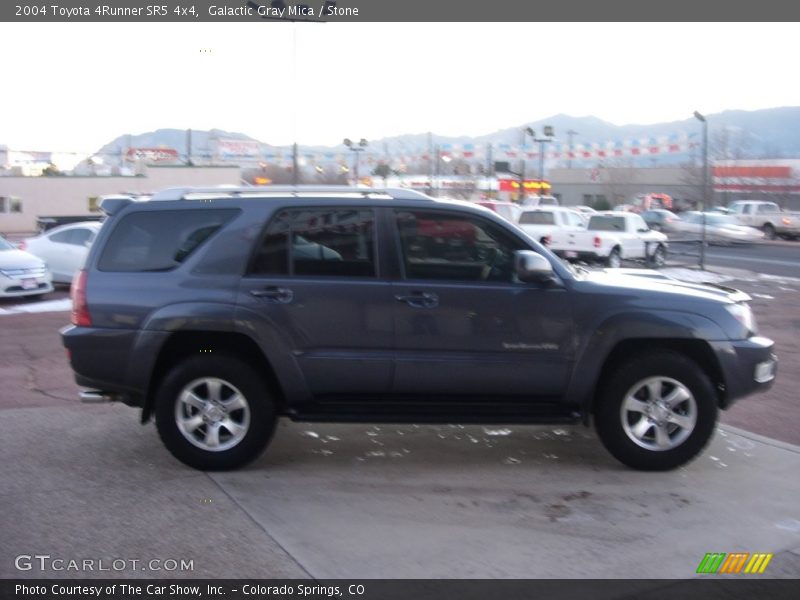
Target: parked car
535, 200
22, 273
202, 314
611, 237
508, 210
720, 229
768, 217
551, 224
661, 220
64, 248
581, 208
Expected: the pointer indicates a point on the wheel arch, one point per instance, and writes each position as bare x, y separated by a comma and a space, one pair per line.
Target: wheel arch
626, 335
181, 345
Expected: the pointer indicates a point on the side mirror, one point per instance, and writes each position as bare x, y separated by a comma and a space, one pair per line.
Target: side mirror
642, 230
532, 267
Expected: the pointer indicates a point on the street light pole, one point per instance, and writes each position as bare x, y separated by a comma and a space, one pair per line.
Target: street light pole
530, 132
548, 132
362, 145
702, 119
570, 133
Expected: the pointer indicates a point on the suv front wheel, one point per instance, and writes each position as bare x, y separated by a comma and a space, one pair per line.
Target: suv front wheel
214, 413
657, 412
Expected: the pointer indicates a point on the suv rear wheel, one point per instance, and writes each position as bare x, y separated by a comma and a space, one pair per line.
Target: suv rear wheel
657, 412
214, 413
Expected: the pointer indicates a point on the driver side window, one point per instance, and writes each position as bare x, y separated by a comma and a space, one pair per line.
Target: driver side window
452, 247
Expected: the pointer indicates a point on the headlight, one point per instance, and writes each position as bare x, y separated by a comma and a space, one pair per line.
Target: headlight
744, 314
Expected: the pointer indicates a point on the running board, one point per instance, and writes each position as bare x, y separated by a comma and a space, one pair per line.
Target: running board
382, 411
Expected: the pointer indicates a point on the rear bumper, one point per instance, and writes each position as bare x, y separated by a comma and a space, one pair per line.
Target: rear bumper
114, 361
748, 367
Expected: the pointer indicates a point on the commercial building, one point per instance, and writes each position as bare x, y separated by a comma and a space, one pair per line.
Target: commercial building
24, 200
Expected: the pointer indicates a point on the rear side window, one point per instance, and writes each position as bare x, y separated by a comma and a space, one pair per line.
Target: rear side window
537, 218
77, 236
160, 240
604, 223
318, 242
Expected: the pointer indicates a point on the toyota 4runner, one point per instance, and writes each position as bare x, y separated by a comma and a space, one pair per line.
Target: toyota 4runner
219, 310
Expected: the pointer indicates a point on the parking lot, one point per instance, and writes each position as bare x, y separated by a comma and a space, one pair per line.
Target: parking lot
88, 482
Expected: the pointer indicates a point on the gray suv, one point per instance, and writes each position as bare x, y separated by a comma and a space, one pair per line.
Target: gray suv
219, 310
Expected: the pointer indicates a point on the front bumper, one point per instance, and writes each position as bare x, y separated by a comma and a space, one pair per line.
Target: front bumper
748, 367
12, 287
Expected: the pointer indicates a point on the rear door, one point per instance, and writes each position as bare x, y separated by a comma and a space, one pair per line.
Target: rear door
464, 326
315, 277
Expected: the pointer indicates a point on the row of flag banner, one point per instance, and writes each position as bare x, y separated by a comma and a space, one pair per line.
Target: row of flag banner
674, 144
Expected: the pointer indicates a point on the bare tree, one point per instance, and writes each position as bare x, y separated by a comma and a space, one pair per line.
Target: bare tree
618, 177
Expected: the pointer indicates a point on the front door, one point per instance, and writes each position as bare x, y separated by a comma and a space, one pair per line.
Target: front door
464, 326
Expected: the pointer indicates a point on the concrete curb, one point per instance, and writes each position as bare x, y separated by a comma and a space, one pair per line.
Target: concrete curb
761, 438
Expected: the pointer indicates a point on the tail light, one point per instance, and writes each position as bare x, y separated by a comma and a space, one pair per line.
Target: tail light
546, 240
597, 241
22, 245
80, 308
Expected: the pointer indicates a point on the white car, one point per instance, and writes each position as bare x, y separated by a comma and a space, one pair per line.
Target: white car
64, 248
21, 273
611, 237
551, 225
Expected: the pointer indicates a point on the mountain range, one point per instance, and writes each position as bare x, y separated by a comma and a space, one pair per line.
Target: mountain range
766, 133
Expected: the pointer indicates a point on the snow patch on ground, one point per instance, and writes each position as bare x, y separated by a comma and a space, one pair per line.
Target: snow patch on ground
61, 305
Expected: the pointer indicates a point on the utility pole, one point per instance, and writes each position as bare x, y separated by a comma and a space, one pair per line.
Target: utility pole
189, 147
530, 132
295, 172
430, 163
702, 119
570, 133
489, 169
438, 152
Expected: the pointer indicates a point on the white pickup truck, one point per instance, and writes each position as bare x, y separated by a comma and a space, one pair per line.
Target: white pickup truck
551, 224
612, 237
766, 216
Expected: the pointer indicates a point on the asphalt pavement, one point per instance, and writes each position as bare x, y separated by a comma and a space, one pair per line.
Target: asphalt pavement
780, 258
401, 501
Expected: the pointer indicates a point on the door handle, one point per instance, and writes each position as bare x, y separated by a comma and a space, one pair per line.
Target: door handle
279, 295
419, 299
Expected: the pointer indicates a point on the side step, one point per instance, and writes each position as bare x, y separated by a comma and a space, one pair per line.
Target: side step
393, 411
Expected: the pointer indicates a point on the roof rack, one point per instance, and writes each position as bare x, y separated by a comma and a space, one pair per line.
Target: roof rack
189, 193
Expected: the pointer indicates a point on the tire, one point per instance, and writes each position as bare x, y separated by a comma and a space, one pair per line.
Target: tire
639, 441
614, 259
228, 395
769, 231
659, 258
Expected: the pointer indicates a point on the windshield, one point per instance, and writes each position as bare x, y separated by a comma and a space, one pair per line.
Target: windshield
535, 217
4, 245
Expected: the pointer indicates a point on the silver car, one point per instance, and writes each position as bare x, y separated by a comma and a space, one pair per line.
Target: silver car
723, 229
21, 273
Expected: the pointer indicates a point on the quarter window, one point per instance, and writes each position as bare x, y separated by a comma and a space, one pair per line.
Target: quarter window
160, 240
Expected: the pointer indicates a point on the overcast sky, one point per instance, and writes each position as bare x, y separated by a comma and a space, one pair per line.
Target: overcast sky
76, 86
